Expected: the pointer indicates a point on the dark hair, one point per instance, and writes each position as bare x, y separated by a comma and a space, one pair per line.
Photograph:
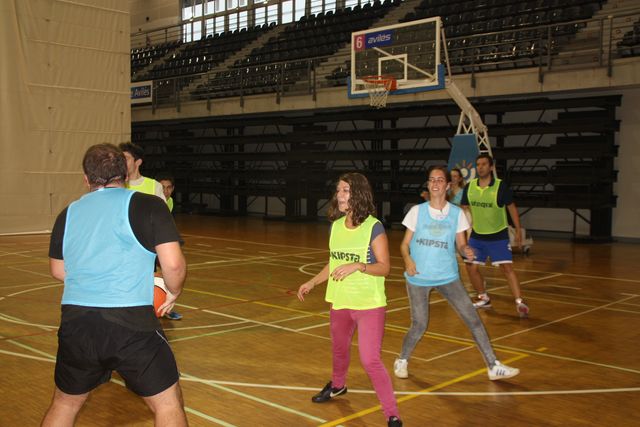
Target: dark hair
104, 164
485, 156
457, 170
447, 174
135, 150
166, 177
360, 200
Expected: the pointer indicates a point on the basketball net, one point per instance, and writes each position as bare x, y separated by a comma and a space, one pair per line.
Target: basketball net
378, 88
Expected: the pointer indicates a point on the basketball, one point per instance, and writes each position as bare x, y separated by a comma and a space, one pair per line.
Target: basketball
159, 294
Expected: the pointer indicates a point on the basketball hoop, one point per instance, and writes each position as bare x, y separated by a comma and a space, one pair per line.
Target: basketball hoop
378, 88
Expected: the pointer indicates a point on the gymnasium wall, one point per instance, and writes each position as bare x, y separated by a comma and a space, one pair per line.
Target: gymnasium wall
152, 14
64, 85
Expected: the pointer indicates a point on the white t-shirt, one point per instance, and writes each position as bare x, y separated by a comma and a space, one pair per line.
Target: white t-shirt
411, 219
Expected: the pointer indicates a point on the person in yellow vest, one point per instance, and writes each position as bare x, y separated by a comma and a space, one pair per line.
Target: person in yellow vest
358, 263
134, 155
488, 199
168, 185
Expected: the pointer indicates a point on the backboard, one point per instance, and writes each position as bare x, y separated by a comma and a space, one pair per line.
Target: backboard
409, 52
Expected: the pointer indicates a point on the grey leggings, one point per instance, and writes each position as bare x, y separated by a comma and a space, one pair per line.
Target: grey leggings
457, 296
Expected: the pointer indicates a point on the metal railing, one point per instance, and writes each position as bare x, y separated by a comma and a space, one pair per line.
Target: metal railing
577, 44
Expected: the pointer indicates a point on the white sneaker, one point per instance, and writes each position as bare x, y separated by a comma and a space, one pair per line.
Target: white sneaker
501, 372
400, 368
522, 308
482, 301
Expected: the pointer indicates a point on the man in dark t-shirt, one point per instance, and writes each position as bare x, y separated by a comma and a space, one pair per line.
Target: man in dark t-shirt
103, 246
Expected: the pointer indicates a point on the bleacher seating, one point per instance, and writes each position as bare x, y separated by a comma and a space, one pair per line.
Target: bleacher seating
200, 56
142, 57
486, 35
630, 43
482, 35
285, 59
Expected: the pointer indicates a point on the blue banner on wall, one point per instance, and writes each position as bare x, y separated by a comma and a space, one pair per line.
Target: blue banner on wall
463, 155
142, 92
375, 39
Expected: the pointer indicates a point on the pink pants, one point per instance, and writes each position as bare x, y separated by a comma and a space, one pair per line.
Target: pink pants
370, 324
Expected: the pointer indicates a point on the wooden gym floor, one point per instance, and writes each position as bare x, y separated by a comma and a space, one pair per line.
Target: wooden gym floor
251, 354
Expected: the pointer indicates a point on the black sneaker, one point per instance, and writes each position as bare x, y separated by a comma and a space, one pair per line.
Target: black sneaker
394, 422
328, 393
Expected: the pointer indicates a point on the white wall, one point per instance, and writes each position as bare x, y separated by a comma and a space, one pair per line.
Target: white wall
152, 14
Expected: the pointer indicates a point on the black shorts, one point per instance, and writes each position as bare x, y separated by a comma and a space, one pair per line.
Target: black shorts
93, 342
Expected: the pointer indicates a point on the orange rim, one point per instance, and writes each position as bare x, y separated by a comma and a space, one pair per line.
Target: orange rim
389, 82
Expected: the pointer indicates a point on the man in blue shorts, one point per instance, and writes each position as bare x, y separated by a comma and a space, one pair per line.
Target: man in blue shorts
103, 246
488, 199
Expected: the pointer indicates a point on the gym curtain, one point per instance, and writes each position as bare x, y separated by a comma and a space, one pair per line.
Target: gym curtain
64, 86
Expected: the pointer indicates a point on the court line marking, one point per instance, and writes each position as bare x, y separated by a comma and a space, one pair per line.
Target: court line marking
561, 286
250, 242
562, 319
559, 301
11, 319
36, 289
444, 384
463, 341
325, 250
570, 359
466, 343
29, 271
188, 377
52, 359
248, 259
484, 370
252, 325
613, 279
186, 408
15, 253
27, 356
208, 417
467, 346
52, 282
435, 393
217, 325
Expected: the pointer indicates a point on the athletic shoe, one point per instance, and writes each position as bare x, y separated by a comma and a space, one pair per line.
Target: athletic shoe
522, 308
482, 301
501, 372
394, 422
328, 393
400, 368
172, 315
